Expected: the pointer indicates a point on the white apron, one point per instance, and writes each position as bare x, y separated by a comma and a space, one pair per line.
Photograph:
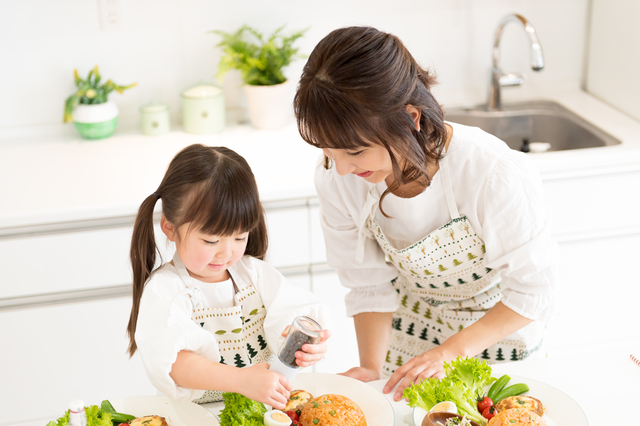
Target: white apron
443, 287
238, 329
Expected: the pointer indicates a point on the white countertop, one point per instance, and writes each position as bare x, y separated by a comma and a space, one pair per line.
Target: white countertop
65, 178
601, 381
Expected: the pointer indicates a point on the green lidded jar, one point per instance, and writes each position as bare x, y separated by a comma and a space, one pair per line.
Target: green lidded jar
203, 109
154, 118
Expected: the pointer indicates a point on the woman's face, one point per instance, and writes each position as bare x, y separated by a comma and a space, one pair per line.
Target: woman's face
371, 163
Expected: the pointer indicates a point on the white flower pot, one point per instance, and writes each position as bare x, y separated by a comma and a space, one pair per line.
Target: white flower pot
270, 107
96, 121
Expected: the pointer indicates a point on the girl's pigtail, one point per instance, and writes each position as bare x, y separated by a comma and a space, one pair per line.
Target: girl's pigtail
143, 259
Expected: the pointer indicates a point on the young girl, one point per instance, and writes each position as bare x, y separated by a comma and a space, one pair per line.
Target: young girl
216, 306
439, 230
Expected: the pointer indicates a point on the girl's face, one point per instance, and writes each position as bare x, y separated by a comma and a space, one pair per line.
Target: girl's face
207, 257
371, 163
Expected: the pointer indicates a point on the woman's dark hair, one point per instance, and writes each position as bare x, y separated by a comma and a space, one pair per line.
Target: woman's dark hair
210, 188
354, 91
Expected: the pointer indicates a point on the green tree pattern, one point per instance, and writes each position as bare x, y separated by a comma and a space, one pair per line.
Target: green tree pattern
471, 256
485, 354
441, 268
461, 281
456, 262
514, 355
488, 270
416, 307
423, 335
396, 323
387, 359
222, 360
435, 341
427, 314
261, 342
499, 356
475, 276
238, 361
410, 329
252, 352
399, 361
439, 321
427, 272
446, 284
404, 300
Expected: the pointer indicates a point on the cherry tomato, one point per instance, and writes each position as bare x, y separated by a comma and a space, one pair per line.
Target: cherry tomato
489, 412
484, 403
292, 415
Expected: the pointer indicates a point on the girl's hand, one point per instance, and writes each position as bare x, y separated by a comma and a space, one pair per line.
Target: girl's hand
428, 364
361, 373
311, 354
260, 384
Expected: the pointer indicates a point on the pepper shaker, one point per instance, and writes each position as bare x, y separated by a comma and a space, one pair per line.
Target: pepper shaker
303, 330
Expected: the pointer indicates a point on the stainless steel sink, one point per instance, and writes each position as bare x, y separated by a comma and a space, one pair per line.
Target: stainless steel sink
540, 121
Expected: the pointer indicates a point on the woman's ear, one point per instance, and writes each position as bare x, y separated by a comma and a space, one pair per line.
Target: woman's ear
168, 229
415, 114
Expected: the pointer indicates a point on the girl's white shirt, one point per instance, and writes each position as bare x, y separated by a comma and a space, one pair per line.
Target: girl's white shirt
498, 189
165, 327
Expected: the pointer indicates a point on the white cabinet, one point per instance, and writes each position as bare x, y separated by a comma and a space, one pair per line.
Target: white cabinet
52, 355
288, 236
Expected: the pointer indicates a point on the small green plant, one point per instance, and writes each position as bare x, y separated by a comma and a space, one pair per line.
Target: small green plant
90, 92
259, 64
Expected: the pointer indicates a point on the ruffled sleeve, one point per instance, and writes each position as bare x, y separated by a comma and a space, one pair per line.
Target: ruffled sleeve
165, 328
516, 228
341, 201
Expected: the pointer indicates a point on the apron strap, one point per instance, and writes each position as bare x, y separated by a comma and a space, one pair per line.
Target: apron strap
448, 188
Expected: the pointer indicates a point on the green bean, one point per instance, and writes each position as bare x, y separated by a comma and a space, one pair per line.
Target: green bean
106, 407
118, 418
512, 390
497, 386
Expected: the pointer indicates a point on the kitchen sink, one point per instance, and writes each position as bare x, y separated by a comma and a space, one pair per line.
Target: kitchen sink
529, 122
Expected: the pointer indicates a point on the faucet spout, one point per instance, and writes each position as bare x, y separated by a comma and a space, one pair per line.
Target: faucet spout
497, 76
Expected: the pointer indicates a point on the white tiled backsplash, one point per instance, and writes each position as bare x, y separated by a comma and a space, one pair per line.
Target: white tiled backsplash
164, 45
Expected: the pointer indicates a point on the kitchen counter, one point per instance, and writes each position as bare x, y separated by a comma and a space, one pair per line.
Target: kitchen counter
64, 178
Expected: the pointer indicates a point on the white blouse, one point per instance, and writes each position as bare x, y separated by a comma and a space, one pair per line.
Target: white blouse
165, 327
500, 192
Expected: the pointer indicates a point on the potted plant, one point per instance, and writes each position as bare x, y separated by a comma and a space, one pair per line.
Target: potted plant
260, 62
92, 114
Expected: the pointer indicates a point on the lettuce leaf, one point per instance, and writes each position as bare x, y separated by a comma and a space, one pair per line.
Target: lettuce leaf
95, 417
241, 411
464, 380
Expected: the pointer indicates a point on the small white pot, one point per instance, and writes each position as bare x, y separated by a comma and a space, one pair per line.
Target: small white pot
270, 107
96, 121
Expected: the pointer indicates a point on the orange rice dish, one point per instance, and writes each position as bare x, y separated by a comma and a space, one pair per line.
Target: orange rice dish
516, 417
332, 410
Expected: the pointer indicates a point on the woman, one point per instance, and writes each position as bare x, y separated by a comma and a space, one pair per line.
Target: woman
438, 229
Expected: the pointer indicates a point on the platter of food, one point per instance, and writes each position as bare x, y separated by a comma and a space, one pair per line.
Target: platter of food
376, 408
175, 413
557, 407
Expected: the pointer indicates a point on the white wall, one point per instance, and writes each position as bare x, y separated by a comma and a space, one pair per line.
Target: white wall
614, 54
164, 46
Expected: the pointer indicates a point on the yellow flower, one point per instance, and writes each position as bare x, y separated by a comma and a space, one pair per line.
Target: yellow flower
91, 93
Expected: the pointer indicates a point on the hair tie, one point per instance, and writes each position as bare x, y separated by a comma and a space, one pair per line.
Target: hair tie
157, 196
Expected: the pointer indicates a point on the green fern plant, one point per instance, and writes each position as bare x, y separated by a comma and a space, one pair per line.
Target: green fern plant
260, 61
90, 92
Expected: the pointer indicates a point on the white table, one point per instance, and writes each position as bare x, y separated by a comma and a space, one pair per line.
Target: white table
599, 380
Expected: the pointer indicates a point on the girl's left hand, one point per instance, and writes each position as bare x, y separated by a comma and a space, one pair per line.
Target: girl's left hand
428, 364
311, 354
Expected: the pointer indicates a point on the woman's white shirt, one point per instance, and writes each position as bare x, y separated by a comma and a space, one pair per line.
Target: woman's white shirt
500, 192
165, 327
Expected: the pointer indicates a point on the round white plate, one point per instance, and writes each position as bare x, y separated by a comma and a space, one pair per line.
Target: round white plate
177, 413
376, 408
560, 408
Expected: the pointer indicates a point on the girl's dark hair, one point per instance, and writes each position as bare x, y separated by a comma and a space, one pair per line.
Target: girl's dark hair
354, 91
210, 188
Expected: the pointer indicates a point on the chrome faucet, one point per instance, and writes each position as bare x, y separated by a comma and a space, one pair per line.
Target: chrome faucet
498, 78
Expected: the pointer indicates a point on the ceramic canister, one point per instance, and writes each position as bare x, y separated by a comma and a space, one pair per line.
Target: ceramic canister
154, 118
203, 109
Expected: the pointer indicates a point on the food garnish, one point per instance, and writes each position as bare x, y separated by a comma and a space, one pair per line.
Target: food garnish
464, 379
241, 411
95, 417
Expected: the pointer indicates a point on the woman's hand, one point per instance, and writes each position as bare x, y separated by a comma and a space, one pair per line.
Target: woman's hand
428, 364
362, 374
311, 354
263, 385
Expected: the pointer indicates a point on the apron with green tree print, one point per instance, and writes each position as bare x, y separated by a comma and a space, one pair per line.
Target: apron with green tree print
238, 329
443, 287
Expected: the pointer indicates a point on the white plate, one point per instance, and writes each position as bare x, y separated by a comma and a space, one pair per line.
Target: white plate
560, 408
376, 408
177, 413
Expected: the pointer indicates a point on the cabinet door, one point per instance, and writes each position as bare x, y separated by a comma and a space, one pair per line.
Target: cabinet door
343, 351
53, 355
288, 237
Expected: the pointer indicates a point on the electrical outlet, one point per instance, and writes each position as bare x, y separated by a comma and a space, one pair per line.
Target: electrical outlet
110, 15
